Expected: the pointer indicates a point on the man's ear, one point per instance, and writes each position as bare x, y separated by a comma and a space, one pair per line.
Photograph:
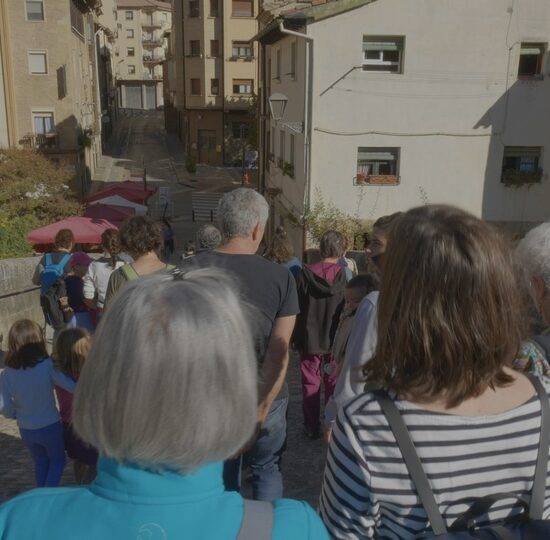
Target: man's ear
257, 233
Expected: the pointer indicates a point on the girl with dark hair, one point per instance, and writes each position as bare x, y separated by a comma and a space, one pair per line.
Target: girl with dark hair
450, 322
96, 279
27, 395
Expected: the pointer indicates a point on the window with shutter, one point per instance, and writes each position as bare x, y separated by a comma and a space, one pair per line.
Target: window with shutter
214, 87
195, 87
241, 49
521, 165
383, 54
194, 8
377, 166
194, 47
214, 10
214, 48
531, 59
242, 8
243, 86
35, 10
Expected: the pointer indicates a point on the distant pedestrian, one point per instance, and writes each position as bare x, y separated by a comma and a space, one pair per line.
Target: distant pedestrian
27, 395
141, 238
48, 274
208, 237
168, 239
74, 284
320, 291
190, 249
97, 277
281, 251
268, 294
356, 290
71, 350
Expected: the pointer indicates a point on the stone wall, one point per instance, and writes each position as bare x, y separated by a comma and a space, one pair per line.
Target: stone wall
19, 298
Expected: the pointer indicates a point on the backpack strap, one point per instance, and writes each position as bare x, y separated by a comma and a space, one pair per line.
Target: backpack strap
47, 259
412, 461
63, 262
538, 493
257, 522
129, 272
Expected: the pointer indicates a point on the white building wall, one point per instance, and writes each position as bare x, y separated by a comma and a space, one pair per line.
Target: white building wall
454, 82
4, 139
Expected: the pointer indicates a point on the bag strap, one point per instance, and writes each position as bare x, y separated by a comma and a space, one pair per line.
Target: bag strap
257, 522
129, 272
47, 259
412, 461
64, 260
538, 493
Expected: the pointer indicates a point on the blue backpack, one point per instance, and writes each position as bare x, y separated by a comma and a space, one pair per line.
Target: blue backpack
52, 272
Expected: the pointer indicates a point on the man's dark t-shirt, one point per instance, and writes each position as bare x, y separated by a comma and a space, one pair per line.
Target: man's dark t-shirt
268, 290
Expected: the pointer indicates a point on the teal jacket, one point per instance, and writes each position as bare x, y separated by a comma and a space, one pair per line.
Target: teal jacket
129, 503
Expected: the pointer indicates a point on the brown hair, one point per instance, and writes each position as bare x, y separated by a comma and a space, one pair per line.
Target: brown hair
450, 315
385, 223
71, 350
332, 245
26, 345
281, 249
64, 239
110, 242
140, 235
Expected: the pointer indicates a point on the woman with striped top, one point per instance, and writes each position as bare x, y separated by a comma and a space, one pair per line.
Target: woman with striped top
450, 324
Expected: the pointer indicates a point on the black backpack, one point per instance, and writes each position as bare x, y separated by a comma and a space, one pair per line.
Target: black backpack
528, 526
51, 307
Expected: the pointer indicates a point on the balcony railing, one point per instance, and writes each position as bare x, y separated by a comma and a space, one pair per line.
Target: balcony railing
39, 141
153, 58
152, 42
151, 22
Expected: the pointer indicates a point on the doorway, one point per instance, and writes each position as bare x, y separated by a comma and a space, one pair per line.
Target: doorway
207, 146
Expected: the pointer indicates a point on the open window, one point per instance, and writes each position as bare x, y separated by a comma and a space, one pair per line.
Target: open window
531, 59
521, 165
377, 166
383, 54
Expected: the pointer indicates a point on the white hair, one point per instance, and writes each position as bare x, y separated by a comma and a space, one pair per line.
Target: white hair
240, 211
171, 380
534, 252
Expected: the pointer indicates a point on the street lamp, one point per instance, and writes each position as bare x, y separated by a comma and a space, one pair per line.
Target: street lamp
277, 107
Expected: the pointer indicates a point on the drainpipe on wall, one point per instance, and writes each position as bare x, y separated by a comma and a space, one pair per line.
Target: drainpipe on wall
308, 95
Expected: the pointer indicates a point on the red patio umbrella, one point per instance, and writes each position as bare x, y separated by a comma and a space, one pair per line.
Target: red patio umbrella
129, 190
85, 230
110, 212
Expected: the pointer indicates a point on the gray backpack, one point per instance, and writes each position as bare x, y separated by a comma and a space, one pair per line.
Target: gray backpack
528, 526
257, 521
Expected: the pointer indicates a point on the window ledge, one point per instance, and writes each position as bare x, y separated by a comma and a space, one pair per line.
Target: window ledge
377, 180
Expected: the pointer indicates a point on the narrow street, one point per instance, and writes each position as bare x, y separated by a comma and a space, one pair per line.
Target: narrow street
141, 142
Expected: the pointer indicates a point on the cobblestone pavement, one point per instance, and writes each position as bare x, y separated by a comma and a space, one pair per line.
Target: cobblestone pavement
141, 141
303, 461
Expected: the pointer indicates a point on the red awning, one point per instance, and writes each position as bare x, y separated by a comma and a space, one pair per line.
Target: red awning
110, 212
86, 230
131, 191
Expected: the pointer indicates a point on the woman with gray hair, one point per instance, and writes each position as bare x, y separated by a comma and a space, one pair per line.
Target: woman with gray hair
168, 393
534, 255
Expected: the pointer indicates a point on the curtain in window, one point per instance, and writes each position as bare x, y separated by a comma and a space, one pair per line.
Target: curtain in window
43, 125
37, 62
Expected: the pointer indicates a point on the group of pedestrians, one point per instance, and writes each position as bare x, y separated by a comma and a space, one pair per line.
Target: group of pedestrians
436, 387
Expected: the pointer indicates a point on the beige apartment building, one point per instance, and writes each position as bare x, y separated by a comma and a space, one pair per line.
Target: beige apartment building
216, 82
55, 75
142, 29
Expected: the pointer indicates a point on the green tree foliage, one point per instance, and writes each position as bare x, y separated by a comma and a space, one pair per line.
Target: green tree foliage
33, 193
325, 216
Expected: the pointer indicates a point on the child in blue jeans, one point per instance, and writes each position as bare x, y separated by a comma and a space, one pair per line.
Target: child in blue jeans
27, 395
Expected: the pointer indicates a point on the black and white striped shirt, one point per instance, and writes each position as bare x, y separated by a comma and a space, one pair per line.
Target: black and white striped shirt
367, 490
